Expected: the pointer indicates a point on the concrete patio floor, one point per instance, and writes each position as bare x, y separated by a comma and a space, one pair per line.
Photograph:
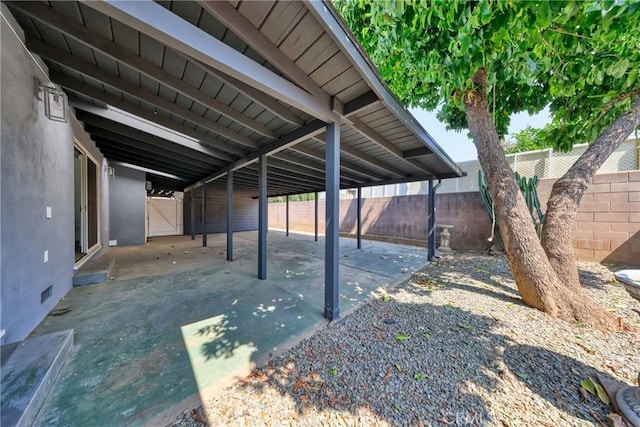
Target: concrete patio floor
176, 322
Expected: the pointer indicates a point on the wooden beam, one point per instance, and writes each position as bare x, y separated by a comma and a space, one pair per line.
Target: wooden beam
147, 170
312, 128
164, 26
257, 96
286, 175
366, 158
143, 161
133, 125
374, 136
87, 69
316, 166
153, 150
113, 146
311, 172
244, 29
319, 155
249, 176
95, 123
97, 94
83, 35
361, 103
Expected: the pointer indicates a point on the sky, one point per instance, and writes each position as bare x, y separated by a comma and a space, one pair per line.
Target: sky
457, 145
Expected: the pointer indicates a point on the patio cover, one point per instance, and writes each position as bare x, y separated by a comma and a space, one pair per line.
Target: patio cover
250, 93
234, 80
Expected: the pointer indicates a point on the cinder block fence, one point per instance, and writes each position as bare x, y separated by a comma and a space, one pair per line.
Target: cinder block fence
607, 228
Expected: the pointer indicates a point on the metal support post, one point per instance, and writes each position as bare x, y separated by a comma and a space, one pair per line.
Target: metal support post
315, 213
287, 214
230, 216
193, 215
332, 200
262, 219
204, 215
359, 218
431, 222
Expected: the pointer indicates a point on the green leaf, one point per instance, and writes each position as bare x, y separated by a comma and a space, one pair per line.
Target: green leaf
386, 298
617, 69
588, 385
332, 371
467, 327
522, 375
427, 335
402, 337
602, 395
420, 376
595, 389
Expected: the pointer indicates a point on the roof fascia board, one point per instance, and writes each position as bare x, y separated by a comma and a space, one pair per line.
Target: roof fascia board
344, 164
333, 24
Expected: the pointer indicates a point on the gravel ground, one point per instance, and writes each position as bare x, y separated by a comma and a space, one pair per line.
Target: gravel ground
451, 346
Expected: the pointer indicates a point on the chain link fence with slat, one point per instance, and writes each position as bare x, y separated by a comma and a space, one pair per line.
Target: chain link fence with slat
547, 164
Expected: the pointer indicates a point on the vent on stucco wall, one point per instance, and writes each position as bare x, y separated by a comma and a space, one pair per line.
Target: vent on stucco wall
46, 294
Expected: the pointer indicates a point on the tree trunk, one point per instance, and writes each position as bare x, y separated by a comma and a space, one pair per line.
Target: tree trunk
568, 191
535, 278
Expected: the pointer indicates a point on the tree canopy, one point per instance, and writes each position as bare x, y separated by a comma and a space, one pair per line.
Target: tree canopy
482, 61
580, 57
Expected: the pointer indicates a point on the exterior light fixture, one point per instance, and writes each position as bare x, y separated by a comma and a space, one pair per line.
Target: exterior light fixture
55, 102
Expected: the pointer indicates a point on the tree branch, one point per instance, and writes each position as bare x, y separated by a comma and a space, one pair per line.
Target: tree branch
561, 31
615, 100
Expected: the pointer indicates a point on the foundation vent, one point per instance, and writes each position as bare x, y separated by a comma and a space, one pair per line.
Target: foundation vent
46, 294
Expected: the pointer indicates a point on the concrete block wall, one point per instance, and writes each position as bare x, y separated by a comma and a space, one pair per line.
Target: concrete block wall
301, 215
402, 219
607, 227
